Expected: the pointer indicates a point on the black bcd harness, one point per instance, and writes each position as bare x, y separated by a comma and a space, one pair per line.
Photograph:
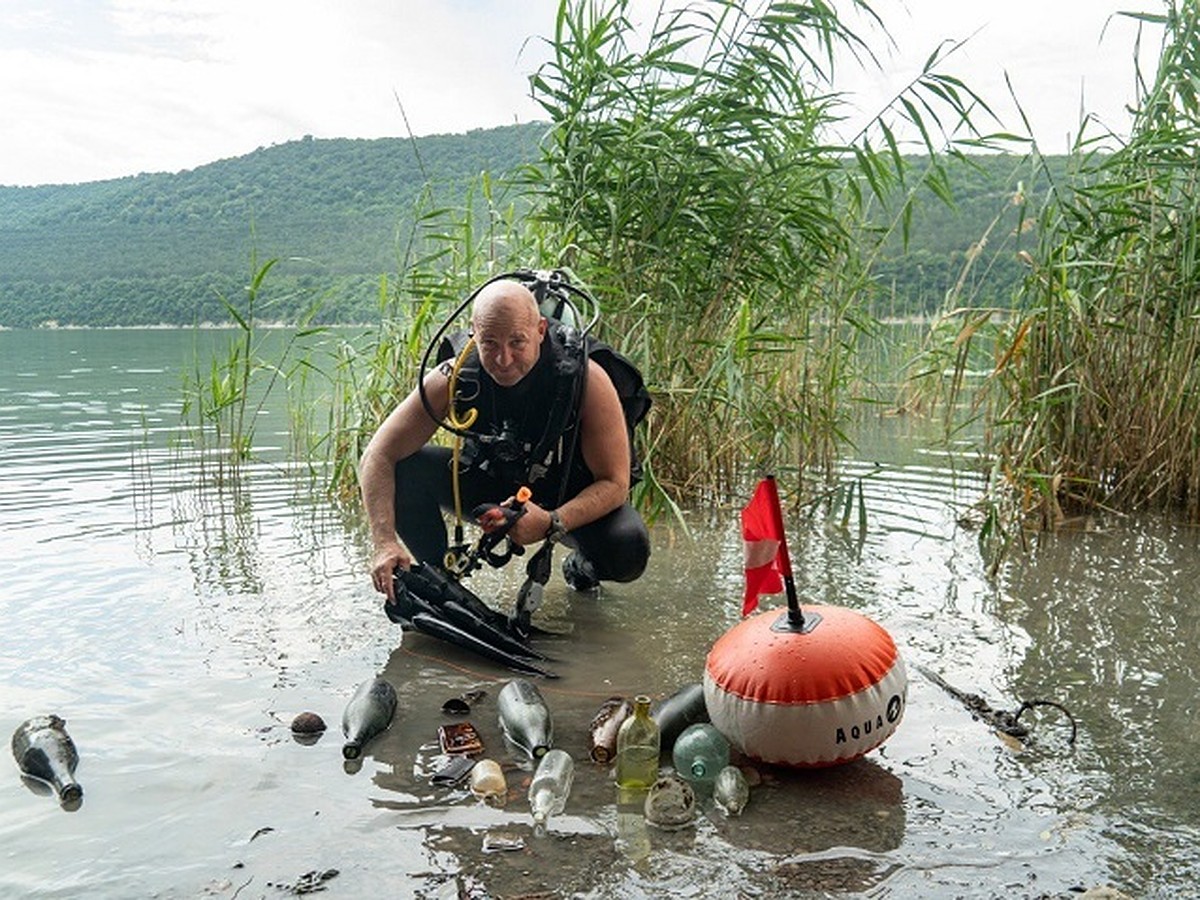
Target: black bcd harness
525, 455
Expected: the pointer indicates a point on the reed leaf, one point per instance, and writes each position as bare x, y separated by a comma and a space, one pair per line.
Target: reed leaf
1094, 395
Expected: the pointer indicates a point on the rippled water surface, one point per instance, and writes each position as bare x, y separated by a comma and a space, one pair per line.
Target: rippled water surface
178, 626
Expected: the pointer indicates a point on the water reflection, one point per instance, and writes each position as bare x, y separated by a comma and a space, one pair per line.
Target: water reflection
179, 626
1095, 619
631, 831
860, 805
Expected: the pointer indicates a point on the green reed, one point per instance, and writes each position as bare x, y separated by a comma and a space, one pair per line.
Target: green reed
691, 176
688, 181
223, 404
1092, 400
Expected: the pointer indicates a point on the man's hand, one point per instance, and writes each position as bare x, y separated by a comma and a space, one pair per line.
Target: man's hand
504, 517
531, 527
384, 563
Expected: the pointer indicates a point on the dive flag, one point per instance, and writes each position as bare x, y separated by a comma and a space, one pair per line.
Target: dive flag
765, 547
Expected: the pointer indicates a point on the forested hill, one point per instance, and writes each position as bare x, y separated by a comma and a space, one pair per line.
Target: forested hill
164, 248
149, 249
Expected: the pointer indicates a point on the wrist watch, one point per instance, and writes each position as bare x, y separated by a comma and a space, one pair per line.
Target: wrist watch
556, 531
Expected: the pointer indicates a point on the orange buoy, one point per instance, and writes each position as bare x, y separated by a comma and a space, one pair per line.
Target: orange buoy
818, 694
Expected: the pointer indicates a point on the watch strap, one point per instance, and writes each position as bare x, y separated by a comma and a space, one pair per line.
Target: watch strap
556, 531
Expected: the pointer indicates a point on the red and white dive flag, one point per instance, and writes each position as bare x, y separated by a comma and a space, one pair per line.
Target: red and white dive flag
765, 545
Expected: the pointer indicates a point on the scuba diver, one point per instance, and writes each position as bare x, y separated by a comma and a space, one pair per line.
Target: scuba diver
543, 453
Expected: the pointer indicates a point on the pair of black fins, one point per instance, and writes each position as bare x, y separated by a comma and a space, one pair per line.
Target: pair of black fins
431, 602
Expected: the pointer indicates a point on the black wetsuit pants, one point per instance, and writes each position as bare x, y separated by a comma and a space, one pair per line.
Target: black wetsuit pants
617, 544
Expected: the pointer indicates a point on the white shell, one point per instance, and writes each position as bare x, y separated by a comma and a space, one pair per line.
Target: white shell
671, 803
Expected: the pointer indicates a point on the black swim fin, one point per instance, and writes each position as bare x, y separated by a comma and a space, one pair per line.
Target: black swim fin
432, 603
451, 633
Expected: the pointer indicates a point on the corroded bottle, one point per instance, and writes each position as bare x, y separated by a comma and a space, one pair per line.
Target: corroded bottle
488, 782
525, 717
605, 726
637, 748
731, 791
368, 713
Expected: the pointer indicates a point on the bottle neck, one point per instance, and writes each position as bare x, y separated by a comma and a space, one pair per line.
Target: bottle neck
541, 801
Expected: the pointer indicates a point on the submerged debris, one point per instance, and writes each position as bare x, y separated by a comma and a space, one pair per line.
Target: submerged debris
1004, 721
308, 883
670, 803
502, 842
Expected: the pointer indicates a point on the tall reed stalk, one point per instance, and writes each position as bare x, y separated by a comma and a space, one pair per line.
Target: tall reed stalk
1093, 401
227, 399
692, 176
689, 180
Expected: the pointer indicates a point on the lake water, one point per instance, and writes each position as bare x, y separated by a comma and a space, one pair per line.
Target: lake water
178, 627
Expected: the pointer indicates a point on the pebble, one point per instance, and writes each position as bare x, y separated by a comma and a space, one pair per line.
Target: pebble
308, 723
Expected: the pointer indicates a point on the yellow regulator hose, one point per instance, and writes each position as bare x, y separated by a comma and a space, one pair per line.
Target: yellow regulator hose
459, 424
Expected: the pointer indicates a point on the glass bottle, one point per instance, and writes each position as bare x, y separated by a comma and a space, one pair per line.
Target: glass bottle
525, 717
550, 787
731, 791
605, 726
637, 748
45, 751
488, 782
700, 752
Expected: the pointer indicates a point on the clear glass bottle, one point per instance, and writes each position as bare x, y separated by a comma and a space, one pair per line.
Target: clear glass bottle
731, 791
700, 752
550, 787
637, 748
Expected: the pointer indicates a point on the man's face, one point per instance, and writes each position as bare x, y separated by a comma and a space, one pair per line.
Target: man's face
508, 347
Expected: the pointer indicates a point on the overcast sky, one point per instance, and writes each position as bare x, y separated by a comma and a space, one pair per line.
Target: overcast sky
96, 89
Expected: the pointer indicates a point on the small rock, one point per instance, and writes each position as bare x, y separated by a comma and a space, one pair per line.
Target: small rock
308, 723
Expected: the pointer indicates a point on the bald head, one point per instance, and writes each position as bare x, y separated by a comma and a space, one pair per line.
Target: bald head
509, 301
508, 330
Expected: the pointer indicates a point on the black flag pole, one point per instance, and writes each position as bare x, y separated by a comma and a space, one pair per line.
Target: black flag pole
795, 617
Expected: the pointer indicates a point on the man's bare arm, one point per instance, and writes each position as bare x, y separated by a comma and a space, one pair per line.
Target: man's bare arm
405, 431
604, 444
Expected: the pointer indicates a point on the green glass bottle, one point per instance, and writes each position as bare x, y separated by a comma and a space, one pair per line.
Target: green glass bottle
637, 748
700, 752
